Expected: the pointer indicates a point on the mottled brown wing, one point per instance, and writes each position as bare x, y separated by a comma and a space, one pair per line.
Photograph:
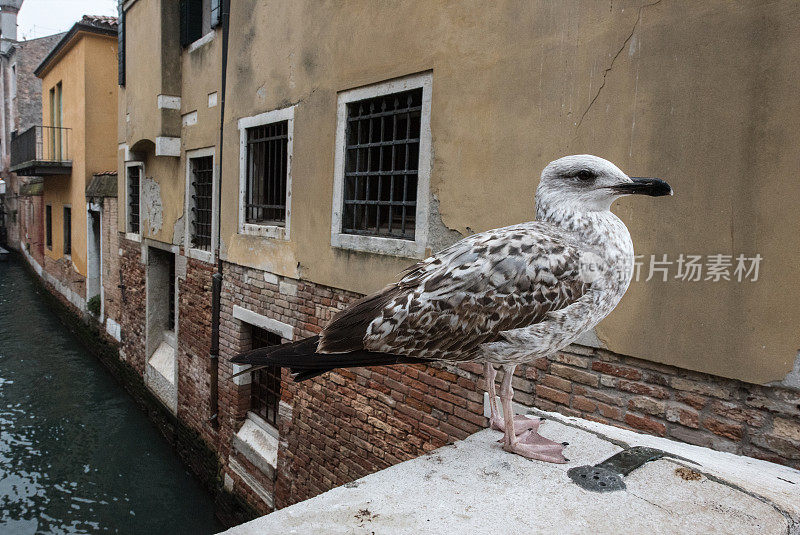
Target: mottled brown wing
465, 295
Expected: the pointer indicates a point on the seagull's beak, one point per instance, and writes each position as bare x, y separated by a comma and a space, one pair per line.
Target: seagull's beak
653, 187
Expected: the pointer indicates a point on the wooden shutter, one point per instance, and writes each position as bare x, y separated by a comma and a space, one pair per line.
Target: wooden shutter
191, 21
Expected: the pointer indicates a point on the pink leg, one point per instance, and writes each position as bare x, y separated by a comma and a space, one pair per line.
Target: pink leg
521, 423
531, 444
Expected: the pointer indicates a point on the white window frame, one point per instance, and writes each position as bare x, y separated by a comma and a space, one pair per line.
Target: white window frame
280, 232
135, 236
199, 254
266, 447
378, 244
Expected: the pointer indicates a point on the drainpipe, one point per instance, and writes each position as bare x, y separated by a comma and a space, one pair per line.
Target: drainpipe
216, 278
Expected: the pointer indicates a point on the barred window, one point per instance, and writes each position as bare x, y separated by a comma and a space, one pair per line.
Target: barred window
48, 226
133, 198
381, 165
67, 230
202, 175
266, 173
265, 388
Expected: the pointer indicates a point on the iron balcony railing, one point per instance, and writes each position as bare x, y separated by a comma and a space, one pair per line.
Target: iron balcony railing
41, 147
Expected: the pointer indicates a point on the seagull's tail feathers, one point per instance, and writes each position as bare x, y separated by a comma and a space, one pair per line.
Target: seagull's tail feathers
302, 359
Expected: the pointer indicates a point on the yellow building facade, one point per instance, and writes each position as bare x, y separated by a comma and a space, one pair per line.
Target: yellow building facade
79, 97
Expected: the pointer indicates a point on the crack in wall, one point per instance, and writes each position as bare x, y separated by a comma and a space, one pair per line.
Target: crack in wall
611, 66
288, 103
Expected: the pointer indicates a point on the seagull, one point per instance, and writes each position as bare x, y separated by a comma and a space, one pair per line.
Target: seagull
502, 297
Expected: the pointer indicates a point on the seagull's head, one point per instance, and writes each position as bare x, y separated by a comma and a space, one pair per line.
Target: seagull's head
587, 183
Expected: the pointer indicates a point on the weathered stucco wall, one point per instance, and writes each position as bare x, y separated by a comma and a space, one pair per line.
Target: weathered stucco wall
157, 65
143, 62
201, 73
151, 54
161, 196
701, 94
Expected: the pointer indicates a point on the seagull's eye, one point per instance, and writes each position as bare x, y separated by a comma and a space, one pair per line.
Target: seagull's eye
585, 175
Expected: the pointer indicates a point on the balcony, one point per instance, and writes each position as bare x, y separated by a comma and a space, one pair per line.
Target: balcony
41, 151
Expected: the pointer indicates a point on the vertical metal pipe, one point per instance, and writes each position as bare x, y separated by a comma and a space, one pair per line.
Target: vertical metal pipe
216, 279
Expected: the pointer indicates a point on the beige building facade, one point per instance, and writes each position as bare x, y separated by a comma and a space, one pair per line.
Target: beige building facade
495, 122
358, 138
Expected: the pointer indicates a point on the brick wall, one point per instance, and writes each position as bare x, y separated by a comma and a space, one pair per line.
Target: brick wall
194, 342
111, 260
64, 271
134, 302
31, 212
701, 409
350, 423
345, 424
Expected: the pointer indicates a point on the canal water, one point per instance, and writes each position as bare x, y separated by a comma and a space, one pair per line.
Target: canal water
76, 453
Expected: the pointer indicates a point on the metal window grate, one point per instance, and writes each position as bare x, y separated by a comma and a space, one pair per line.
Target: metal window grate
48, 225
265, 388
266, 173
133, 198
381, 165
171, 296
67, 230
202, 185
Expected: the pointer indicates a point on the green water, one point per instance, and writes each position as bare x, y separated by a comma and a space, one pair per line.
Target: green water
76, 453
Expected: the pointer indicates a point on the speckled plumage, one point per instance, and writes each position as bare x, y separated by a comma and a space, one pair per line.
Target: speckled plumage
504, 296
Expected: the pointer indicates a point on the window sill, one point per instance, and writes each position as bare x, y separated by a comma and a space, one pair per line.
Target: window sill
163, 361
377, 245
265, 231
207, 38
200, 254
160, 376
133, 236
257, 441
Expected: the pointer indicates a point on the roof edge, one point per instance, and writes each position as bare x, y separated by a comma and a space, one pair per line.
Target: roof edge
66, 41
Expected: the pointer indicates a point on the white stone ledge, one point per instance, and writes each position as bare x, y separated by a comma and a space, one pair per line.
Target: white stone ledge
113, 328
207, 38
473, 486
257, 441
189, 119
161, 377
168, 146
168, 102
285, 330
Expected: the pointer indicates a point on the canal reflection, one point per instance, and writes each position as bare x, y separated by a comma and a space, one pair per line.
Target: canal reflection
76, 454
